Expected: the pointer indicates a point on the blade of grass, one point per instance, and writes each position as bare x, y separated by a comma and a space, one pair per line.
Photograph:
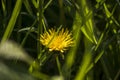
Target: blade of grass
35, 3
4, 10
117, 75
48, 3
88, 31
40, 75
12, 21
105, 68
28, 7
59, 65
70, 59
110, 14
85, 62
87, 18
102, 36
96, 60
4, 7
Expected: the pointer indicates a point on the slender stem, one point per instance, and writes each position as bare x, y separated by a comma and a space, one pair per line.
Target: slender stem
40, 17
58, 65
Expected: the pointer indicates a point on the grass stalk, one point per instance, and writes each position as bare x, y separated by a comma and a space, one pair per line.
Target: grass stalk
12, 21
40, 26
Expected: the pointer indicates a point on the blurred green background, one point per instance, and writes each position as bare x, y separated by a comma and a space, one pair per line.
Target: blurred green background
95, 25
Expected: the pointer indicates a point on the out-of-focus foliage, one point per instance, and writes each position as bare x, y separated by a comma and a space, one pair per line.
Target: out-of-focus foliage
95, 28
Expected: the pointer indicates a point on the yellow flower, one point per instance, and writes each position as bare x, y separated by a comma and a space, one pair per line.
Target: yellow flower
58, 41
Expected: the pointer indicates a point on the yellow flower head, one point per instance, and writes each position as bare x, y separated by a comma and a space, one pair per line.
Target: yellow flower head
58, 41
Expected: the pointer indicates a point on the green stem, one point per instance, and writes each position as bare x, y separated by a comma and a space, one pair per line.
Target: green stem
40, 17
58, 65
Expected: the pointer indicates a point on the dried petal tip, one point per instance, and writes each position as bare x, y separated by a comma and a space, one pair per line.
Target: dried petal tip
57, 41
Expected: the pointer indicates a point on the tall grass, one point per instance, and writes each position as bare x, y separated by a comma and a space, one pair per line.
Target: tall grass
95, 28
